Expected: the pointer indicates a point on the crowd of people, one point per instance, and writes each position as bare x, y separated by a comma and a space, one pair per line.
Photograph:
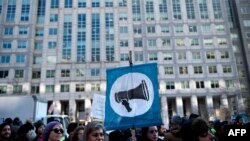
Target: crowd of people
194, 128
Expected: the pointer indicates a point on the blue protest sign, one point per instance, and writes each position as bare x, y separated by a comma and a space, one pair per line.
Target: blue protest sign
132, 98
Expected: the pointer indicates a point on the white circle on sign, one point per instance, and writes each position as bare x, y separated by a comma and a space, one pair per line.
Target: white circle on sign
121, 90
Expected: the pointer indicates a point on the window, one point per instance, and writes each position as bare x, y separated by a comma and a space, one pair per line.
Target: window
109, 3
205, 28
17, 89
4, 59
23, 30
248, 35
81, 3
198, 70
138, 43
178, 29
122, 3
54, 3
80, 72
183, 70
124, 57
124, 43
212, 69
35, 89
68, 3
152, 57
220, 28
123, 16
53, 31
208, 42
185, 85
38, 46
123, 29
214, 83
164, 29
8, 31
224, 55
50, 73
170, 85
95, 87
192, 28
180, 42
195, 42
19, 73
22, 44
196, 55
151, 43
210, 55
222, 41
138, 56
137, 30
51, 59
36, 74
80, 88
150, 29
246, 23
95, 3
199, 84
64, 88
4, 74
168, 56
3, 89
7, 44
39, 32
229, 83
166, 43
182, 55
53, 18
227, 69
95, 72
168, 70
49, 88
20, 58
37, 60
52, 44
65, 73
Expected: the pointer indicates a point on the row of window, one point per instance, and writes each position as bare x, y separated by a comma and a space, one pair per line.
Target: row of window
81, 87
169, 70
171, 85
19, 73
185, 70
166, 56
138, 42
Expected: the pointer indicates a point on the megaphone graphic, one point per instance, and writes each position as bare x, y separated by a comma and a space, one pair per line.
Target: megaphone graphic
139, 92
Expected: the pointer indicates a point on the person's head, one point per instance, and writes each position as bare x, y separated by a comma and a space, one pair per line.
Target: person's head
94, 131
53, 131
8, 121
150, 133
176, 122
161, 129
239, 120
78, 134
200, 130
39, 125
5, 131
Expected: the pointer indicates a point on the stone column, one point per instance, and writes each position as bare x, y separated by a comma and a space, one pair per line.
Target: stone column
224, 101
194, 104
87, 105
179, 106
210, 107
72, 110
164, 111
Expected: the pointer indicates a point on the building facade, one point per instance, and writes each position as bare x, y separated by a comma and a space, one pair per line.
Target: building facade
60, 50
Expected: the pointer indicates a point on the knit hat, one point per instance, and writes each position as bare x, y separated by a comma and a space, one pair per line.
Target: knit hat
48, 129
176, 119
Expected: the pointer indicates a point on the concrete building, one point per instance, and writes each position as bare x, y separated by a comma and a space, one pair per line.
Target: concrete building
60, 49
